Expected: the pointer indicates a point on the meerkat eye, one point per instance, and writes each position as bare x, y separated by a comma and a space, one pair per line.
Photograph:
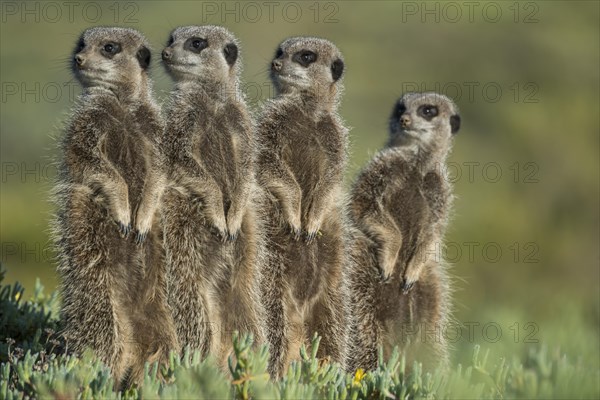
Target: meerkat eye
428, 112
305, 57
110, 49
80, 46
195, 45
279, 53
170, 41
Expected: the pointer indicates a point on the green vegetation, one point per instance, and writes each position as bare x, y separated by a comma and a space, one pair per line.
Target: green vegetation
35, 364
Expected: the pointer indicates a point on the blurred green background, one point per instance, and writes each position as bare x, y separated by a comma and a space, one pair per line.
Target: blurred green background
524, 241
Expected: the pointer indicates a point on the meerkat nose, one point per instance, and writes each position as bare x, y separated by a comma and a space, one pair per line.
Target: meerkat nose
405, 121
79, 59
276, 65
167, 54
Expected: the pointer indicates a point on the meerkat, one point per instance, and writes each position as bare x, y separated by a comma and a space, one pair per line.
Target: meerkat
302, 146
209, 207
399, 207
113, 290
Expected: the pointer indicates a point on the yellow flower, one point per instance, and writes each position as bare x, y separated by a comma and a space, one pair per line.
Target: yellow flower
358, 376
17, 296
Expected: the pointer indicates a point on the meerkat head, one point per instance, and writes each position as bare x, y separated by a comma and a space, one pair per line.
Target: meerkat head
423, 119
114, 58
307, 64
202, 53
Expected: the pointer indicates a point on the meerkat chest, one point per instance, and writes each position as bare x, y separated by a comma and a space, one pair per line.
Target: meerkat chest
217, 145
308, 149
129, 150
404, 200
125, 142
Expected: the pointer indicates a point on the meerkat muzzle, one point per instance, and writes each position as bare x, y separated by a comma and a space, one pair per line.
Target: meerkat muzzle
405, 121
166, 54
276, 65
79, 60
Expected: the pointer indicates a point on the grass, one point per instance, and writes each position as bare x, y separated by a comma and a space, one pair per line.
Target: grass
34, 364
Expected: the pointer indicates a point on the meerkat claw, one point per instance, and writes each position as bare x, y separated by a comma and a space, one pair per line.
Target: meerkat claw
383, 277
140, 237
232, 237
406, 286
310, 236
295, 232
124, 229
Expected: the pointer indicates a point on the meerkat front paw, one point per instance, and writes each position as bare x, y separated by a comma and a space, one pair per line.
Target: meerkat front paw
140, 237
295, 231
310, 236
232, 237
219, 224
386, 266
234, 225
410, 278
143, 224
313, 229
383, 277
294, 225
123, 221
124, 229
406, 286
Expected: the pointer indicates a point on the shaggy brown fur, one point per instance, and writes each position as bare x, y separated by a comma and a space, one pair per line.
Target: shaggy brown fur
302, 155
400, 204
213, 236
113, 290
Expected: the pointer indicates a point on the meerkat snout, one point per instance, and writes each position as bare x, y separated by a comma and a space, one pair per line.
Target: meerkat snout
167, 54
79, 60
276, 65
405, 121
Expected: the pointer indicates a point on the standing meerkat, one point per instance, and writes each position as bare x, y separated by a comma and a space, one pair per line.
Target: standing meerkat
302, 154
399, 206
212, 232
113, 289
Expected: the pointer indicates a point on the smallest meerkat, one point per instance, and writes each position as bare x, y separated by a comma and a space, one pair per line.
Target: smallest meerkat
400, 205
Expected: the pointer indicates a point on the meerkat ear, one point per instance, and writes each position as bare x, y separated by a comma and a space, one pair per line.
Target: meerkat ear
231, 53
337, 68
143, 57
454, 123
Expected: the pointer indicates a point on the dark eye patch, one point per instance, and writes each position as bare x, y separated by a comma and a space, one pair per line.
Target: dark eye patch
231, 53
397, 112
278, 53
337, 68
80, 46
195, 44
454, 123
110, 49
143, 57
427, 112
305, 57
170, 41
